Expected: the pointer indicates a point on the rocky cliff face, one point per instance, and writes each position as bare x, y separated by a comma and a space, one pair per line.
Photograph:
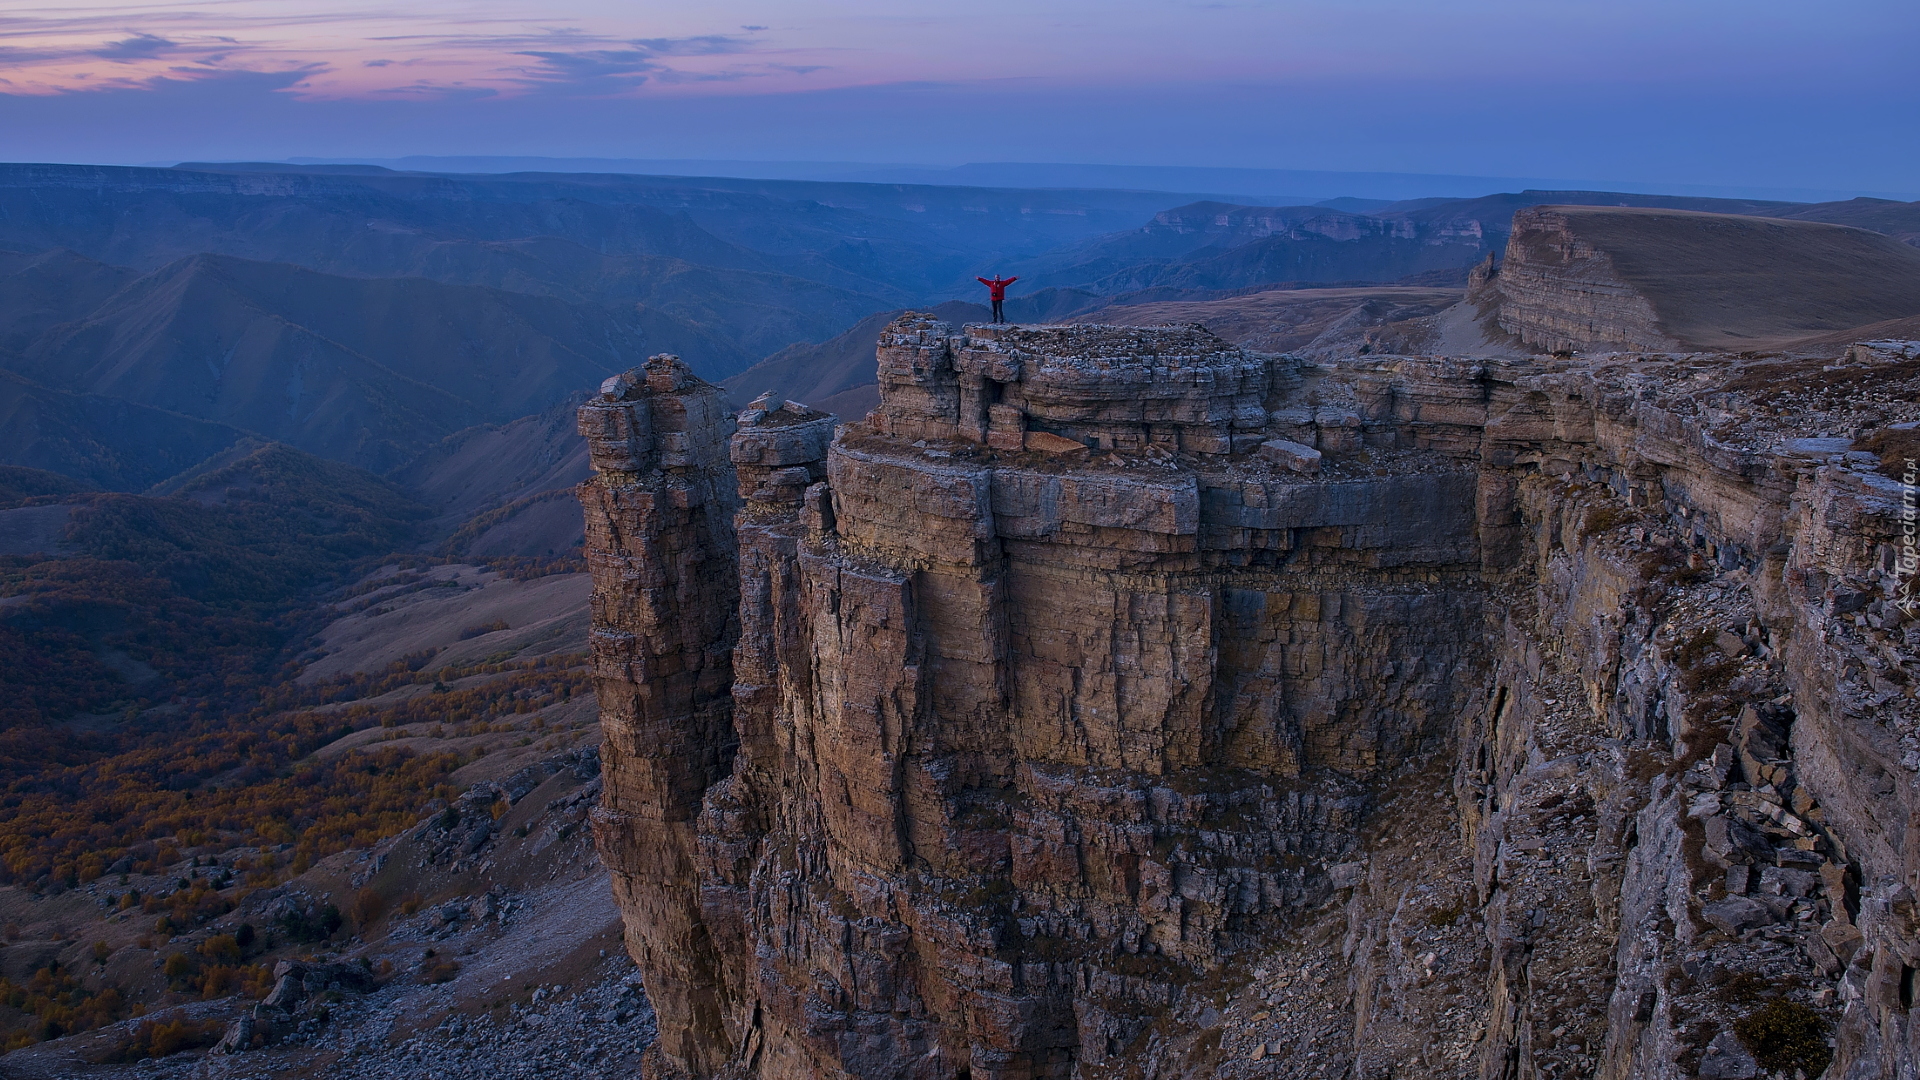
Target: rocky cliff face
1559, 293
1118, 702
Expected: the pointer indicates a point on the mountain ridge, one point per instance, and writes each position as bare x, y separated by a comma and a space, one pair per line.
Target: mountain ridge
367, 370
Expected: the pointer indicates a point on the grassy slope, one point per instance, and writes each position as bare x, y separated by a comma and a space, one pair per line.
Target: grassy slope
1727, 282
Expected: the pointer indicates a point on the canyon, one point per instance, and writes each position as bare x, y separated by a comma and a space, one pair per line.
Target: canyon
1119, 701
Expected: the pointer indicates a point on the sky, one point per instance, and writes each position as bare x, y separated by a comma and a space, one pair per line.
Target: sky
1753, 93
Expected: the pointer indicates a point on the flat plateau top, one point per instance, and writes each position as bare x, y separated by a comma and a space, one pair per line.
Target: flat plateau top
1099, 342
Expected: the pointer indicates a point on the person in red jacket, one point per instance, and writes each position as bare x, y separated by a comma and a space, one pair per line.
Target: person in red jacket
997, 288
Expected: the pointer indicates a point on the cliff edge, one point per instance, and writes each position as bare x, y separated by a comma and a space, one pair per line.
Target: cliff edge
1121, 702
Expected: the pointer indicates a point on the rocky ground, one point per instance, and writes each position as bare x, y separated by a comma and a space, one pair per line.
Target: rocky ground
481, 942
515, 969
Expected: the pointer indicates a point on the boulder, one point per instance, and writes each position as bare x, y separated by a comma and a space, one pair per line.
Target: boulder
1727, 1059
1738, 913
1731, 841
1296, 456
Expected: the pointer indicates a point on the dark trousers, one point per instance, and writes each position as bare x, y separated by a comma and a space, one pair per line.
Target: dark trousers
997, 316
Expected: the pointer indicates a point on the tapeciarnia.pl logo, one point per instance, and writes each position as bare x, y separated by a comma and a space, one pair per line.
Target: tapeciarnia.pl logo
1909, 539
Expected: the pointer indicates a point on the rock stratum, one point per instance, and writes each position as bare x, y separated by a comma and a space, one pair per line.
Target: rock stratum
1119, 702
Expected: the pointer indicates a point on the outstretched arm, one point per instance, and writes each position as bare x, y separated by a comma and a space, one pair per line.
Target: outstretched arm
984, 281
1010, 281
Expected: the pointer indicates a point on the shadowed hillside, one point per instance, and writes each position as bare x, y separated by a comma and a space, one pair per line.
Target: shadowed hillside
107, 441
178, 601
186, 790
44, 290
752, 312
18, 485
813, 373
768, 258
501, 490
367, 370
1900, 220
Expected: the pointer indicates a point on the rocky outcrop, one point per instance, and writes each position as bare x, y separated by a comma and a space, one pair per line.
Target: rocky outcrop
1617, 279
659, 520
1117, 701
1560, 293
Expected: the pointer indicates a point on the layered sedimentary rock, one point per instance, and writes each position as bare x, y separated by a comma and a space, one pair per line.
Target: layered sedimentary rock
1559, 292
1117, 701
1612, 279
659, 515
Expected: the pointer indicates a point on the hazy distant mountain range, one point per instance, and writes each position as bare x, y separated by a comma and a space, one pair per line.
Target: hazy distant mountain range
1252, 185
150, 317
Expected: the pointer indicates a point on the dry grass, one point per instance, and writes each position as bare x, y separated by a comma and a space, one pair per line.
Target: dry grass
1898, 451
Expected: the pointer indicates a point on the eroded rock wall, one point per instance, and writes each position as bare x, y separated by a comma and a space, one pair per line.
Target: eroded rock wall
1079, 728
660, 545
1560, 293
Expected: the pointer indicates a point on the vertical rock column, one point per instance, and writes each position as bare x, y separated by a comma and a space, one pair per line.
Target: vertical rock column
660, 545
779, 456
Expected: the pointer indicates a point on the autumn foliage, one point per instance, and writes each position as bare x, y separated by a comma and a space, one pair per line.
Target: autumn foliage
151, 721
60, 1004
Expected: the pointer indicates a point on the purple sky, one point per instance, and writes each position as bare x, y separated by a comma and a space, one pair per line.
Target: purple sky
1759, 93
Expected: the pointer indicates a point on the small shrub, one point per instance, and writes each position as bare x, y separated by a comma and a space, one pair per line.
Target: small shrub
217, 981
1447, 914
1893, 448
221, 948
256, 980
1784, 1036
1744, 989
1695, 649
158, 1039
477, 631
55, 1002
177, 969
439, 969
1710, 677
308, 926
367, 906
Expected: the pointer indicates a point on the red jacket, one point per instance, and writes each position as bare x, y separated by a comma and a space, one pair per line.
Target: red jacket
997, 286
